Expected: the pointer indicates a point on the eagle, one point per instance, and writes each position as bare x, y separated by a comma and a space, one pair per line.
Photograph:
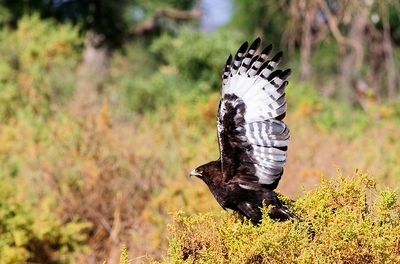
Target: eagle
252, 136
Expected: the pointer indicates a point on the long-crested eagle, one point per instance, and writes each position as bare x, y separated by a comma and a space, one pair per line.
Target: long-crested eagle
252, 138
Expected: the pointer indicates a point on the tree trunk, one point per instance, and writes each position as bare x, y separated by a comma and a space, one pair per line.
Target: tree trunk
306, 44
389, 60
352, 61
91, 72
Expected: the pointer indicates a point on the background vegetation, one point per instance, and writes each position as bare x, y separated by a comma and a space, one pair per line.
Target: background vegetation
105, 106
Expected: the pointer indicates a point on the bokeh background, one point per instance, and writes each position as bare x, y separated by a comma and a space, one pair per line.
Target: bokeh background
105, 106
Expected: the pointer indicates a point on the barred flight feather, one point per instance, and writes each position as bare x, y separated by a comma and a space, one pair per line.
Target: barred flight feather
250, 54
255, 67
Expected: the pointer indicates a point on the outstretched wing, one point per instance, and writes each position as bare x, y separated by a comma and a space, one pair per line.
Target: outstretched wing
252, 137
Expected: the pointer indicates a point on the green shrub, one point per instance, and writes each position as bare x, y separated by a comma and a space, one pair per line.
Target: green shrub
185, 67
87, 167
197, 56
31, 231
304, 102
37, 66
342, 221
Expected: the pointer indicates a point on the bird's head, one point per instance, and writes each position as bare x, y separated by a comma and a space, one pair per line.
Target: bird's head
207, 171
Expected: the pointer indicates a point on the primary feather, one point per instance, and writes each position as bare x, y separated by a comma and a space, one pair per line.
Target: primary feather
252, 137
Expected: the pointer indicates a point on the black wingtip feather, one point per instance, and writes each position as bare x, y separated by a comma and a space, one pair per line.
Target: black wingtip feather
243, 48
267, 50
229, 60
285, 74
256, 43
274, 74
277, 58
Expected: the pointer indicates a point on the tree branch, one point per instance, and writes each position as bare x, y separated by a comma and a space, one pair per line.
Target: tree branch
334, 28
151, 23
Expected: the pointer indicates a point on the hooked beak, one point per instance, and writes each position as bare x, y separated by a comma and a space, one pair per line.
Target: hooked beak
194, 173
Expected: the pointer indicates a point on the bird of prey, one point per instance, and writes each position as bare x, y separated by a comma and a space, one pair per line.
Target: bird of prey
252, 137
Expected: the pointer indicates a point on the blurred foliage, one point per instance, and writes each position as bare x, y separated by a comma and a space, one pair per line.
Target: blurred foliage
103, 17
31, 231
267, 19
170, 69
337, 226
113, 20
142, 89
196, 56
35, 56
394, 20
329, 115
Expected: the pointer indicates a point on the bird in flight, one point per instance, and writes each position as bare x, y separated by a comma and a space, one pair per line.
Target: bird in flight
252, 137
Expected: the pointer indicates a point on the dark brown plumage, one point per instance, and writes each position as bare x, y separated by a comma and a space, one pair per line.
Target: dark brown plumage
252, 137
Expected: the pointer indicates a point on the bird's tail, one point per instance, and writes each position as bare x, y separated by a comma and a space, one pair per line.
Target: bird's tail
282, 213
278, 211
